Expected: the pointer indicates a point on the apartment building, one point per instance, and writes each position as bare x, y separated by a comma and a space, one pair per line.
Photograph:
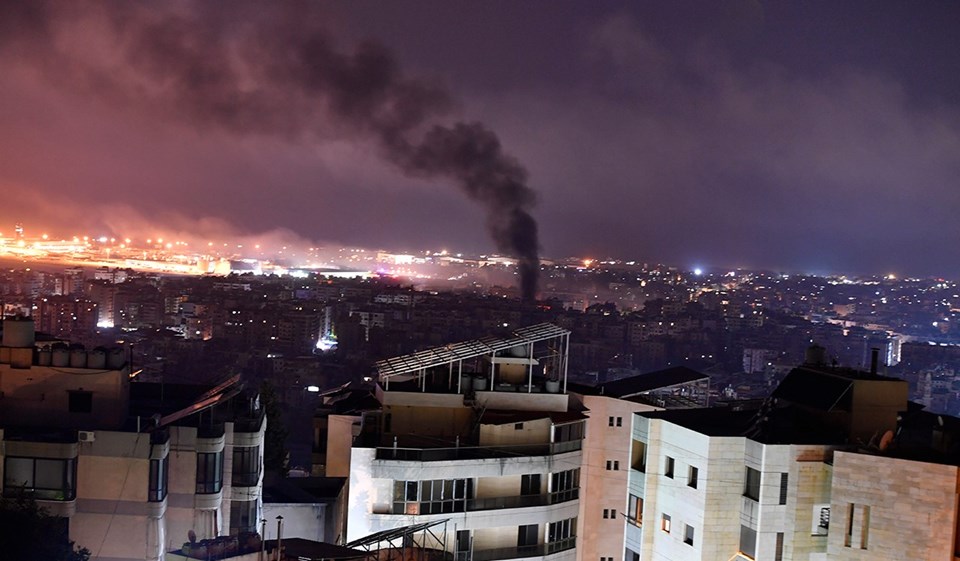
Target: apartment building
133, 468
478, 440
785, 481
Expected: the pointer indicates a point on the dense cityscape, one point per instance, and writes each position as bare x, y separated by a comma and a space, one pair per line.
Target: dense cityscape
460, 281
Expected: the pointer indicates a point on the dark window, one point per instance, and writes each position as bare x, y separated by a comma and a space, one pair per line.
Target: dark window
631, 555
616, 465
527, 535
209, 472
610, 421
668, 467
784, 483
635, 510
158, 479
748, 542
518, 426
638, 456
80, 402
688, 534
46, 479
387, 422
246, 466
564, 485
778, 552
619, 421
530, 484
561, 535
243, 517
692, 477
751, 487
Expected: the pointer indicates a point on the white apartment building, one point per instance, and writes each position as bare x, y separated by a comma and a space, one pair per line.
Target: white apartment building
132, 467
480, 436
772, 483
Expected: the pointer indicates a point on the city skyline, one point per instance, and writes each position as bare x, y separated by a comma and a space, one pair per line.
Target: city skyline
816, 138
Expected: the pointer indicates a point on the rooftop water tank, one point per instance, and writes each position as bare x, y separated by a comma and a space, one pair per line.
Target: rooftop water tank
18, 332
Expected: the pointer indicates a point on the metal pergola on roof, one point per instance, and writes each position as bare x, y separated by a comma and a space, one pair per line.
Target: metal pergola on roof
416, 364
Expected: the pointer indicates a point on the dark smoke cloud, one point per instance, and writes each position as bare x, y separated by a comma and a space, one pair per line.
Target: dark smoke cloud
272, 69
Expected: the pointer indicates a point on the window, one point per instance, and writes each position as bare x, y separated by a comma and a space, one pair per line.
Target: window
527, 536
619, 421
638, 455
784, 484
246, 466
463, 545
434, 496
748, 542
243, 517
665, 523
209, 472
561, 535
688, 534
564, 485
567, 438
46, 479
616, 465
849, 538
864, 525
692, 476
821, 520
79, 402
609, 421
778, 552
530, 484
518, 426
158, 479
615, 421
668, 467
630, 555
606, 513
751, 487
635, 510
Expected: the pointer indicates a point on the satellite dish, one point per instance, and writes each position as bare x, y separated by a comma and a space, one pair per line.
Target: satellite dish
192, 536
885, 440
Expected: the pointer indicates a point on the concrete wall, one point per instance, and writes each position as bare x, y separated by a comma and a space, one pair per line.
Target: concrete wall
602, 489
902, 510
300, 520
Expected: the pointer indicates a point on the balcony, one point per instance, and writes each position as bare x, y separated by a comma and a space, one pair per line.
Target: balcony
475, 452
524, 551
522, 501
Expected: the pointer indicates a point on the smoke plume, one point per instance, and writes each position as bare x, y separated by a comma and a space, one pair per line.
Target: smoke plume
271, 69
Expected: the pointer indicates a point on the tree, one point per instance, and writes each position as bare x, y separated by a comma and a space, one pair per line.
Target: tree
275, 439
30, 532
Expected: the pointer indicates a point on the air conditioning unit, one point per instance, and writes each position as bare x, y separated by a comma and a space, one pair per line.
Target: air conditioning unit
86, 436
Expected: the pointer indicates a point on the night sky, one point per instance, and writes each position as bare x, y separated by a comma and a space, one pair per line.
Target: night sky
799, 136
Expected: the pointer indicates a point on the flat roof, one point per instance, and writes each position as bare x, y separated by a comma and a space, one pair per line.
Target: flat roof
660, 379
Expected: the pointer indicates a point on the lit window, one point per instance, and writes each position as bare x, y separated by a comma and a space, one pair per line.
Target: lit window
665, 523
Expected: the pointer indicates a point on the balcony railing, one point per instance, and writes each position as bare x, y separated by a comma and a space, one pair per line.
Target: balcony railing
538, 550
475, 452
522, 501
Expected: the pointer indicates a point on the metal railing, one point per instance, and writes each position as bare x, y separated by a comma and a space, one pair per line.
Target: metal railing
522, 501
538, 550
475, 452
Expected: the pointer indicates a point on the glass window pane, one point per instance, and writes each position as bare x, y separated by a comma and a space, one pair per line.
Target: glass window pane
49, 474
18, 472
